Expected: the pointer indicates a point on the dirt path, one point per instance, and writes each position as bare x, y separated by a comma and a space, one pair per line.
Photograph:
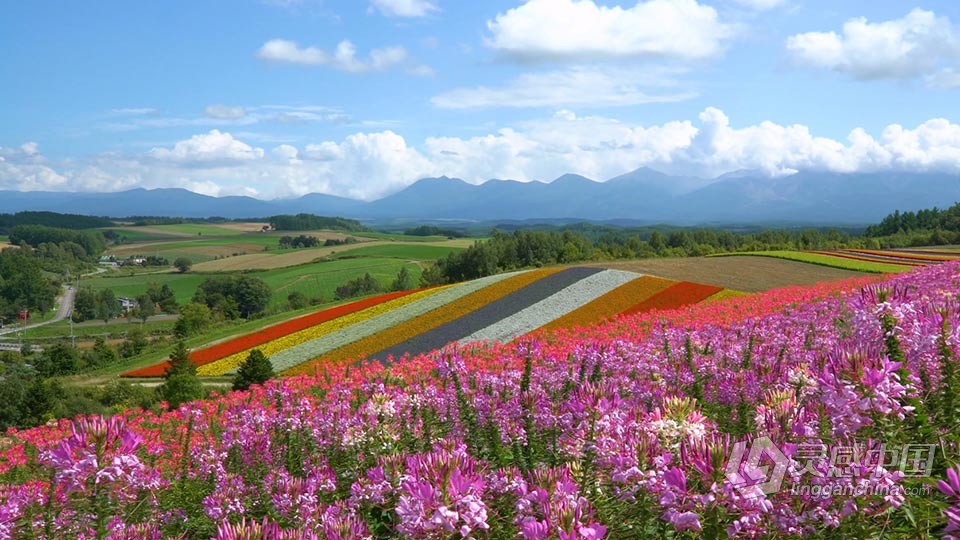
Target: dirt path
748, 274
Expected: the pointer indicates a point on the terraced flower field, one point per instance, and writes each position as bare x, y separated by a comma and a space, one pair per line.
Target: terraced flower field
497, 308
860, 260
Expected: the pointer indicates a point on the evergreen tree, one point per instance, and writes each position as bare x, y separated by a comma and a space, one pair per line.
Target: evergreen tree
256, 369
404, 280
180, 384
146, 309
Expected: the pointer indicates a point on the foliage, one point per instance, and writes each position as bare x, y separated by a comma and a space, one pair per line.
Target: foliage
339, 242
404, 280
432, 230
92, 242
310, 222
23, 285
922, 220
134, 343
256, 369
298, 242
297, 300
234, 295
162, 296
360, 286
52, 219
182, 264
84, 304
145, 308
194, 319
180, 384
106, 305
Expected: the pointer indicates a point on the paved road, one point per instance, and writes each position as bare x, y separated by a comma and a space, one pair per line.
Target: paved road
64, 311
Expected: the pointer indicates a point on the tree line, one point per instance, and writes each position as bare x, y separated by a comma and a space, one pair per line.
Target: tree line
52, 219
506, 251
311, 222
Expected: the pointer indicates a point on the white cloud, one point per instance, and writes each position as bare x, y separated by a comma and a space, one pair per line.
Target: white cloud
25, 169
221, 115
945, 78
133, 111
761, 5
581, 29
918, 44
404, 8
210, 148
224, 112
343, 58
370, 165
582, 87
367, 164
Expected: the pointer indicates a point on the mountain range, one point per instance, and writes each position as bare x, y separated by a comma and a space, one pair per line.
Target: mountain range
642, 196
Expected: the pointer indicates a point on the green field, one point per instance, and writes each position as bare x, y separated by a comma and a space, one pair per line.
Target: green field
400, 237
91, 329
402, 251
199, 229
827, 260
314, 279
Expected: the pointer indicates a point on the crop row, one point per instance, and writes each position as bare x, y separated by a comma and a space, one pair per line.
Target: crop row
556, 305
829, 259
244, 343
387, 318
613, 303
407, 337
922, 257
282, 346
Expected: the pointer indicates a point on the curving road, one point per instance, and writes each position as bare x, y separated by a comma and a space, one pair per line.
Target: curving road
63, 311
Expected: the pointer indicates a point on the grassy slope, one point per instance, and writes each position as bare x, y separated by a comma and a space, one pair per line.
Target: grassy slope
827, 260
314, 279
410, 251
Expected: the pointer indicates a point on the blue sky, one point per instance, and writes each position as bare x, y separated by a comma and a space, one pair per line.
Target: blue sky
359, 98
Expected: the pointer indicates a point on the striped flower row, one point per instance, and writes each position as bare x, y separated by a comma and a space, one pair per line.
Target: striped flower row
404, 337
298, 339
495, 308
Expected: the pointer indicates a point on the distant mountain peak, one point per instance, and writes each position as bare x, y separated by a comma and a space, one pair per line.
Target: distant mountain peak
571, 178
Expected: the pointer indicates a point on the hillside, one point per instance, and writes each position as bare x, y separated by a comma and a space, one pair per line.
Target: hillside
566, 420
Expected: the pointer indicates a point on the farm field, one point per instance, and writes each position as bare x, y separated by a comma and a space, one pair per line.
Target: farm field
850, 262
496, 308
286, 258
314, 279
748, 273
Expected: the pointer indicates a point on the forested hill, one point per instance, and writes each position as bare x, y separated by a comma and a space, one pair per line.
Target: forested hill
310, 222
922, 220
51, 219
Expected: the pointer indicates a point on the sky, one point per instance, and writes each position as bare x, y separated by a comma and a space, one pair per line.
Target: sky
360, 98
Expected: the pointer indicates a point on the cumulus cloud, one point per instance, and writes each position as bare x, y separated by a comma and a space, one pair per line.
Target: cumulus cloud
370, 165
25, 169
918, 44
343, 58
582, 29
582, 87
403, 8
209, 148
